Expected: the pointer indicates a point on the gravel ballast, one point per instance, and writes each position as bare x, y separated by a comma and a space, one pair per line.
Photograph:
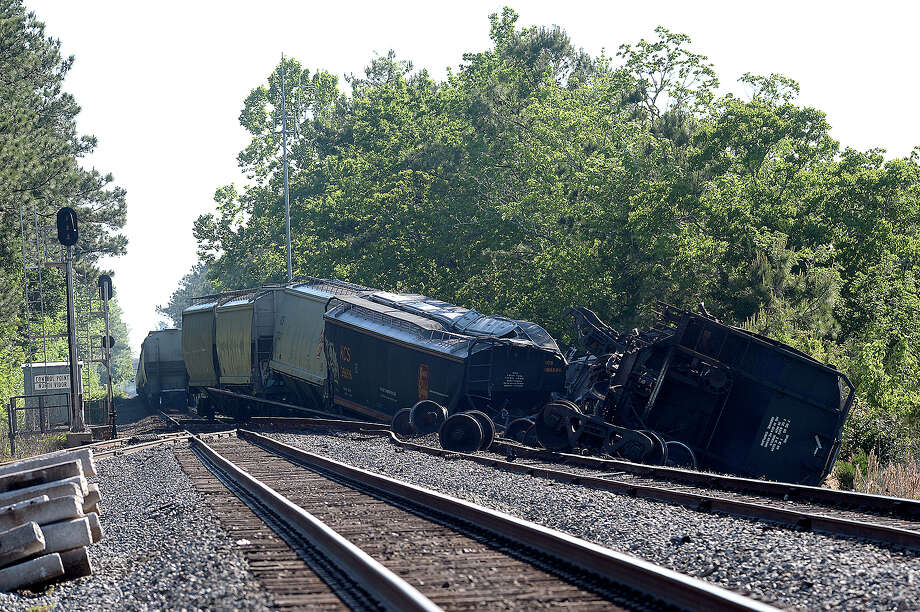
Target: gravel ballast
161, 548
789, 568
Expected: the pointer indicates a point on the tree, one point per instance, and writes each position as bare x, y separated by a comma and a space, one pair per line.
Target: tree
40, 169
194, 284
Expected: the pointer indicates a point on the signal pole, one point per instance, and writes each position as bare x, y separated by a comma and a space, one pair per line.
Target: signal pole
105, 289
68, 236
76, 401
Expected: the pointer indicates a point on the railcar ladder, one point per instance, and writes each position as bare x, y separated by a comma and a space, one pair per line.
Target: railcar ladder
479, 376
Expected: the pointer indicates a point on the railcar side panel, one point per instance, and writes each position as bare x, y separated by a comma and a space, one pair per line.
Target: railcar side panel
198, 331
374, 375
234, 343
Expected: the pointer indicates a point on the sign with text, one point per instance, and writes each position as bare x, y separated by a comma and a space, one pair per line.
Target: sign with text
44, 382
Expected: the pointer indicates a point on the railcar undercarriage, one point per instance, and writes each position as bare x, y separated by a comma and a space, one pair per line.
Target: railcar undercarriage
694, 392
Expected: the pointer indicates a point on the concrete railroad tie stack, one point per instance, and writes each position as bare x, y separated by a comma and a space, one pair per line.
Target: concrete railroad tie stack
49, 514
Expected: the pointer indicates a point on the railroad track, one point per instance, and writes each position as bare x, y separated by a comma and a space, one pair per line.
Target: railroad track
378, 542
885, 520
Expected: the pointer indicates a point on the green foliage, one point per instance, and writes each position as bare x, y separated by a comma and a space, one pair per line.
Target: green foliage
535, 177
845, 473
193, 284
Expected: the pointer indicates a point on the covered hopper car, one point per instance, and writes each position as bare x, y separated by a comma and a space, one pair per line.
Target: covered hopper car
161, 379
390, 351
327, 344
263, 344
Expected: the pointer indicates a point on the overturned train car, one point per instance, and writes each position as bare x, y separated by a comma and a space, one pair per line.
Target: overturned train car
694, 392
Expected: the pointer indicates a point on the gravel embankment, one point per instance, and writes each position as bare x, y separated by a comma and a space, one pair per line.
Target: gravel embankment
161, 548
791, 569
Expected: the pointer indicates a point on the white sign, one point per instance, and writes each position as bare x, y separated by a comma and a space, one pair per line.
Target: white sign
45, 382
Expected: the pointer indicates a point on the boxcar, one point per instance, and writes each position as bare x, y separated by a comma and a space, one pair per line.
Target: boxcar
161, 376
388, 351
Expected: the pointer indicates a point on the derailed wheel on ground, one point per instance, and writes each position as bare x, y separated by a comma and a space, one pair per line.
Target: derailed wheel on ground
461, 433
680, 455
659, 454
517, 429
400, 424
552, 426
488, 428
427, 416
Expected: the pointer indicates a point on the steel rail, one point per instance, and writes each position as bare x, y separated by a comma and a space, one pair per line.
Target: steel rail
662, 584
267, 402
908, 509
163, 441
393, 592
797, 519
897, 506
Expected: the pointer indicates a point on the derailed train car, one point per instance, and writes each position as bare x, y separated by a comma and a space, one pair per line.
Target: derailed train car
692, 391
161, 378
388, 351
227, 343
299, 357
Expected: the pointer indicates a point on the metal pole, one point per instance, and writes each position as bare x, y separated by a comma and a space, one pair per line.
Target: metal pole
287, 195
76, 400
108, 360
12, 427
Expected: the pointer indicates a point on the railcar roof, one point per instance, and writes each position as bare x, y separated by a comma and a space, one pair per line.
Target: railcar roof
384, 312
465, 320
199, 307
399, 325
326, 286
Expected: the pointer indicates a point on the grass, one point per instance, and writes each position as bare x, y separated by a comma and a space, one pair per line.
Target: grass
867, 475
31, 445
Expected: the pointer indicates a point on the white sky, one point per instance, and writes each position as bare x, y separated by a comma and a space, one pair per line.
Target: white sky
162, 83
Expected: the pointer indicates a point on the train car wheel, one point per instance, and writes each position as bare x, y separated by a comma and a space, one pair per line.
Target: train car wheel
488, 428
680, 455
659, 454
400, 425
461, 433
552, 426
427, 416
517, 429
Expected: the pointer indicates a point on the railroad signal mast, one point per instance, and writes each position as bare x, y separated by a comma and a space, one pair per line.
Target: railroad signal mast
108, 343
68, 235
47, 246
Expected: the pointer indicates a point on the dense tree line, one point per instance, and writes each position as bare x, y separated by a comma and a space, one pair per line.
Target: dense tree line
40, 169
535, 176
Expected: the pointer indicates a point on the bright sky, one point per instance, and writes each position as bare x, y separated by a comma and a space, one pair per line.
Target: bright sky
162, 83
